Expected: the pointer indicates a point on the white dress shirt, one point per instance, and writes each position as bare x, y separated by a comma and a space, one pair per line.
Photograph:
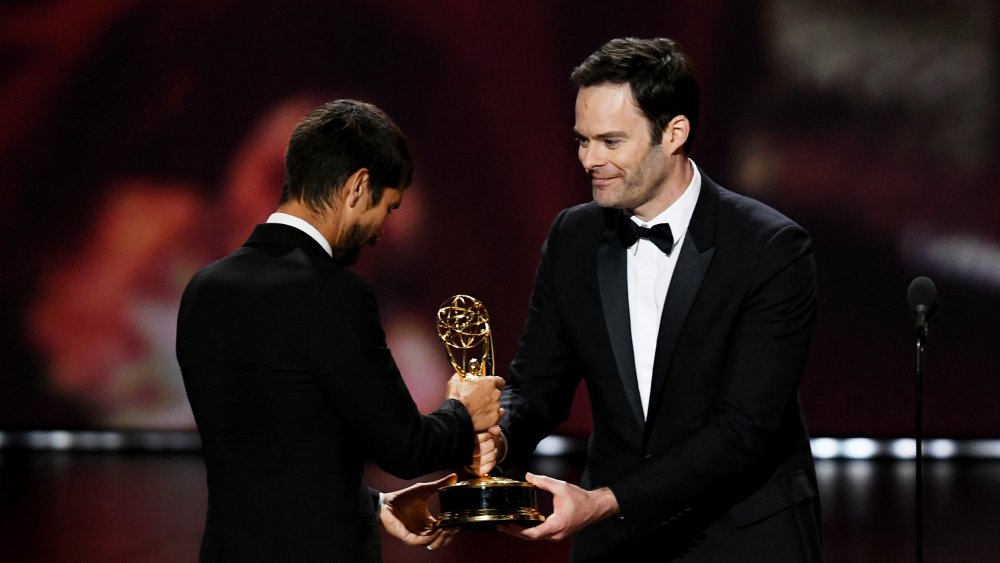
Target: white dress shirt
302, 225
649, 275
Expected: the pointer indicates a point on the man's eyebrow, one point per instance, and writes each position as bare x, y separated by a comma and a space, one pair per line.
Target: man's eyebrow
602, 136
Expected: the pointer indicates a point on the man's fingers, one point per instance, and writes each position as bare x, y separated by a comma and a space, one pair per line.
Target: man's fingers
480, 470
484, 447
543, 531
485, 457
485, 437
426, 538
447, 535
516, 531
443, 537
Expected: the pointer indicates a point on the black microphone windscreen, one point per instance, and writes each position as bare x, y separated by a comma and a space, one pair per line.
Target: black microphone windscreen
922, 292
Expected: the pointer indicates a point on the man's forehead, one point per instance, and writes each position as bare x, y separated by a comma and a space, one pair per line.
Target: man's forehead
606, 107
605, 96
392, 196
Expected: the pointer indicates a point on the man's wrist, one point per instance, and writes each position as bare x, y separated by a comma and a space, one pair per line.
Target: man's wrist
605, 502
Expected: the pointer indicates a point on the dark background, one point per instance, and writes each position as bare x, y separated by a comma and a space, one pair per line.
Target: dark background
142, 140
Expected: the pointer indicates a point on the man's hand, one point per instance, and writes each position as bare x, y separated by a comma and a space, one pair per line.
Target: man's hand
573, 509
481, 396
405, 515
488, 451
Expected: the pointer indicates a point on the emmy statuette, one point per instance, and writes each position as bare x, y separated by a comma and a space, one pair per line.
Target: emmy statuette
483, 502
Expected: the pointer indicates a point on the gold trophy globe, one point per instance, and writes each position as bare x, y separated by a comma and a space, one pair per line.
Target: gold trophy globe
483, 502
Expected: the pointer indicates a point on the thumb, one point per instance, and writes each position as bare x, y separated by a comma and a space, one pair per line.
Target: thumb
542, 482
429, 487
432, 486
449, 479
425, 490
454, 392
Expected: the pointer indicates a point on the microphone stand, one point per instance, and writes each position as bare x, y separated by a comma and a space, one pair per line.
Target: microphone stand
922, 296
921, 337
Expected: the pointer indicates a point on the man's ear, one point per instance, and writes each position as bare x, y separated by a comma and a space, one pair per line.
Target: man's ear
675, 134
356, 188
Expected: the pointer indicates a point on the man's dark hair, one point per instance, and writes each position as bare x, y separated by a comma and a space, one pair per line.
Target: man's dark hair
660, 75
337, 139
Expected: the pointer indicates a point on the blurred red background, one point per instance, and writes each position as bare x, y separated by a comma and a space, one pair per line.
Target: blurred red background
142, 140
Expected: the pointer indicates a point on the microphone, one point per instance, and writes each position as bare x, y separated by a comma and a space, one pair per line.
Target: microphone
923, 303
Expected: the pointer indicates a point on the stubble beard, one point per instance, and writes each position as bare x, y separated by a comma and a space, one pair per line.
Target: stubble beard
347, 253
633, 190
637, 187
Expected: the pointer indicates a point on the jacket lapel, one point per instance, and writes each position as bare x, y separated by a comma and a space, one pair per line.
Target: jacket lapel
692, 264
611, 276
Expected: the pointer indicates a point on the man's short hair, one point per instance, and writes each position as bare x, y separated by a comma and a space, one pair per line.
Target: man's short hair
337, 139
660, 75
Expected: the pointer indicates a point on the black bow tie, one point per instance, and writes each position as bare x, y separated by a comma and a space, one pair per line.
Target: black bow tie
659, 235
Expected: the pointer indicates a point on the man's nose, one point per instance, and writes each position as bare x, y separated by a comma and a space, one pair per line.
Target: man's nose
591, 157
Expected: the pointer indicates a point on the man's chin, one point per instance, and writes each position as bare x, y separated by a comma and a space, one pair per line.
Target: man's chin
603, 200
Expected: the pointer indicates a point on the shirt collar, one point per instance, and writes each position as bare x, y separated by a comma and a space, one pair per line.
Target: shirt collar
302, 225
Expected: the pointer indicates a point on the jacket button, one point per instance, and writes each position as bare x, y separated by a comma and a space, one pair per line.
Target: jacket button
647, 457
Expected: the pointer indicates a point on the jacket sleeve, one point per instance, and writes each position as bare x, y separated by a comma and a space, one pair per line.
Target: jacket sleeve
540, 390
356, 372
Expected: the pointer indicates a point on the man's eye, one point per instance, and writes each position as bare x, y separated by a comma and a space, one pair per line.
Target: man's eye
581, 142
612, 143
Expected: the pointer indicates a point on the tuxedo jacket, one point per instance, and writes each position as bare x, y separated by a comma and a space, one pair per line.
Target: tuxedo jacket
293, 390
723, 447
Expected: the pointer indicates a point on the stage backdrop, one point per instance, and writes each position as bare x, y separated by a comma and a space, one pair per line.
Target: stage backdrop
142, 140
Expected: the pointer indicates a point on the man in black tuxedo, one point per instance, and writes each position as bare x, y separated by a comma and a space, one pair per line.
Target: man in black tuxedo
287, 370
688, 311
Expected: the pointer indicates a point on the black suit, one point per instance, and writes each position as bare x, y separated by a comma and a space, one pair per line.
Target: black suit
293, 390
721, 469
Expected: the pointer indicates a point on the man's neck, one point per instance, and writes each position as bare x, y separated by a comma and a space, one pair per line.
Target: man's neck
318, 220
673, 188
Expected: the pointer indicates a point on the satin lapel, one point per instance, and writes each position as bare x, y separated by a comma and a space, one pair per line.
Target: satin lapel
688, 275
611, 275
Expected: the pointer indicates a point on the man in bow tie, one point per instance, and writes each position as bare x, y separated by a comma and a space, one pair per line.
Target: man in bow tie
688, 310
